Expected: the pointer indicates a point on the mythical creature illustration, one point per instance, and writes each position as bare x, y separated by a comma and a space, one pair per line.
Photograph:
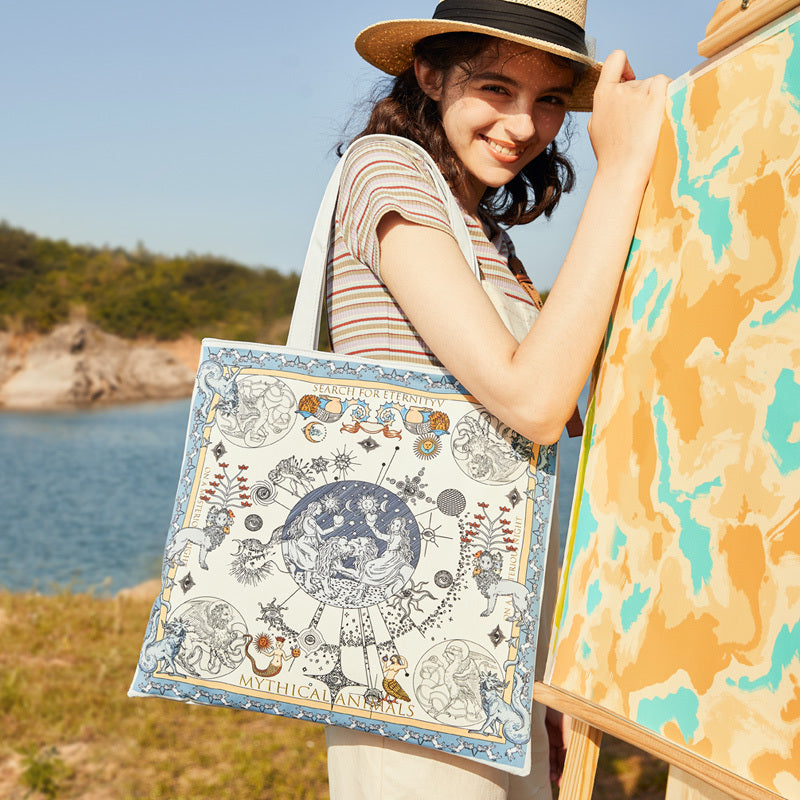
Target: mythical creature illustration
208, 538
164, 650
430, 688
214, 643
292, 475
447, 681
262, 414
488, 451
394, 691
331, 559
487, 574
509, 720
272, 647
322, 407
211, 380
254, 560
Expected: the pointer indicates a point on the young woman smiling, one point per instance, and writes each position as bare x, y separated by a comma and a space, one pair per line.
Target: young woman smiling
484, 88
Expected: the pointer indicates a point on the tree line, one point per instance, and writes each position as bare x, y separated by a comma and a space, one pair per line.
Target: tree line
44, 282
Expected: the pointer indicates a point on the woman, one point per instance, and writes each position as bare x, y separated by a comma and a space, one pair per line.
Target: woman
484, 88
303, 540
393, 567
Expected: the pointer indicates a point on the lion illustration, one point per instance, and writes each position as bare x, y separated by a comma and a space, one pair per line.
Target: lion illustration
207, 539
487, 577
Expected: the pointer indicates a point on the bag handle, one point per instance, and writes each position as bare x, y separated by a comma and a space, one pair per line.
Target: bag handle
305, 324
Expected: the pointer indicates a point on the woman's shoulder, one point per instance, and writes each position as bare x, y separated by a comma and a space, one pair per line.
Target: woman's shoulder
371, 157
382, 174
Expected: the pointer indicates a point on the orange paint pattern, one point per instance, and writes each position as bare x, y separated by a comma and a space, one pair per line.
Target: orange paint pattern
686, 579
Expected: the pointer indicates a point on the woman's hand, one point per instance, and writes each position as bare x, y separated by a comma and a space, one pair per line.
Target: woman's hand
627, 118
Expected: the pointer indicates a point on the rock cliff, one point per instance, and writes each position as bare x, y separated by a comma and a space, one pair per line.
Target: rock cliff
77, 364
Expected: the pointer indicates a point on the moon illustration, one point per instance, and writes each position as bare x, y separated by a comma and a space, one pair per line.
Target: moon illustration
314, 432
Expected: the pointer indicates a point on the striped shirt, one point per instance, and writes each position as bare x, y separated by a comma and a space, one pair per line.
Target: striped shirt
363, 317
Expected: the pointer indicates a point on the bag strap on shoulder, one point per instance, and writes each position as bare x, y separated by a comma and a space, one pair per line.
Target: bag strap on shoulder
305, 325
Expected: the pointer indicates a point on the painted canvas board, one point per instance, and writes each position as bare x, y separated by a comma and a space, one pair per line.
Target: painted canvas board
680, 598
355, 546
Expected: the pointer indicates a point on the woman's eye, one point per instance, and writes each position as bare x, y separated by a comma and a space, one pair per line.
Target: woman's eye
495, 89
553, 100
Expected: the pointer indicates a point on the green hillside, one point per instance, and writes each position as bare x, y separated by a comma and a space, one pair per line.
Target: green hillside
43, 282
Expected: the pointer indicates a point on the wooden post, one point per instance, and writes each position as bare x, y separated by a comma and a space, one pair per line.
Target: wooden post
683, 786
581, 763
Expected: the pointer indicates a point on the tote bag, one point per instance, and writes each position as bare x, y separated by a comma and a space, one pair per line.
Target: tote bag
353, 543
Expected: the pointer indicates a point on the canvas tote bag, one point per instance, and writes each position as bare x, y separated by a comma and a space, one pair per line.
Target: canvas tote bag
353, 543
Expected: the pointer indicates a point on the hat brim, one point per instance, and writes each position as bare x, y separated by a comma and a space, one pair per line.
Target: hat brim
389, 46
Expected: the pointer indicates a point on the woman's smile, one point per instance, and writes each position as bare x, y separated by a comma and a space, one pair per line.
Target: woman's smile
505, 151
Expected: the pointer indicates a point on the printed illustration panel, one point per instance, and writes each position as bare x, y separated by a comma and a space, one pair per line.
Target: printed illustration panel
354, 546
681, 609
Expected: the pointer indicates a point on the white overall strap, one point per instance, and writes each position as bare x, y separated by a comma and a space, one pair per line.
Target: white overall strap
305, 324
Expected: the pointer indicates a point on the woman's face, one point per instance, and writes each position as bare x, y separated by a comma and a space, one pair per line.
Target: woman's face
502, 115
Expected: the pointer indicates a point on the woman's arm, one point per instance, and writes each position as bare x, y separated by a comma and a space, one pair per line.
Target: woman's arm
533, 386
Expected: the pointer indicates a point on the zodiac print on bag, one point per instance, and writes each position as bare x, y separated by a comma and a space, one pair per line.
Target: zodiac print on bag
487, 450
351, 544
347, 574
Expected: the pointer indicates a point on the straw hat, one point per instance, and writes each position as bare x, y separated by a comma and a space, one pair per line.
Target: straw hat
556, 26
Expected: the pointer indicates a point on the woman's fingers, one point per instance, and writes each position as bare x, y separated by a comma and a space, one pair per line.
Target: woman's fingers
627, 116
616, 69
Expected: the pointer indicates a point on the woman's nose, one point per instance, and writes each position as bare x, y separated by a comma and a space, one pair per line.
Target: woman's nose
521, 126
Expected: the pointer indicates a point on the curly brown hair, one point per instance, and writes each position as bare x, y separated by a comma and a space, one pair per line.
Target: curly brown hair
408, 112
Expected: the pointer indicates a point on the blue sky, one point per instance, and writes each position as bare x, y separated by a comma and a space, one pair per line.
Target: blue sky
208, 127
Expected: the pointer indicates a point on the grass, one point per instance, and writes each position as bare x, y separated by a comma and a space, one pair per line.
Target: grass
70, 731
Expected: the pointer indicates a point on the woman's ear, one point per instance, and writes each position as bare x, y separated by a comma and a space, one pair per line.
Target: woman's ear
429, 79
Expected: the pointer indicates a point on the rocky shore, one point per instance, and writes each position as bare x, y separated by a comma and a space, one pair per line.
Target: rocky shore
78, 365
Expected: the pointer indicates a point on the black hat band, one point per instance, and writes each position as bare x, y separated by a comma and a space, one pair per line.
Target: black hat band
517, 19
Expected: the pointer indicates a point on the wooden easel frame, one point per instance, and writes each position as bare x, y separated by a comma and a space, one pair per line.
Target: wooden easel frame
690, 777
589, 722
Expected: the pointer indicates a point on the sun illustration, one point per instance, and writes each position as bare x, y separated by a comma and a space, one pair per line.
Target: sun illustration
343, 462
368, 504
330, 502
426, 447
264, 643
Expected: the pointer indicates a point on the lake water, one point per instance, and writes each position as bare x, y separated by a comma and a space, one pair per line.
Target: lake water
86, 497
